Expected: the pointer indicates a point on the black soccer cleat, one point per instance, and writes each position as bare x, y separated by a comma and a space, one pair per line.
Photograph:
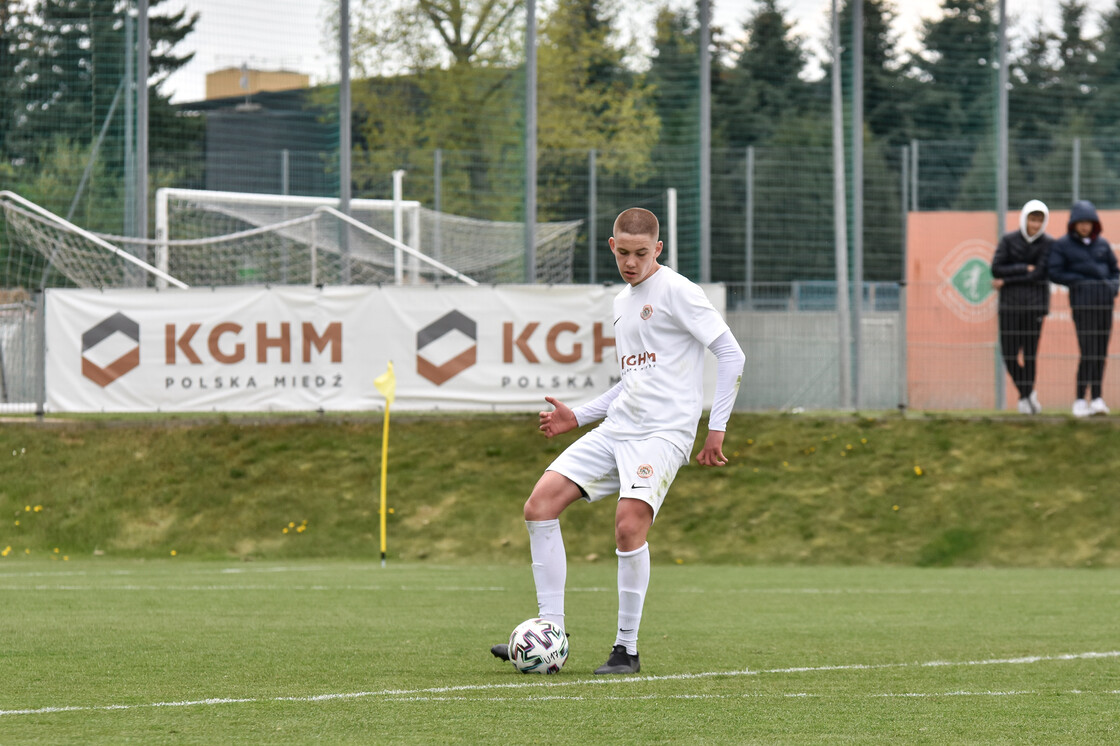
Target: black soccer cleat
620, 662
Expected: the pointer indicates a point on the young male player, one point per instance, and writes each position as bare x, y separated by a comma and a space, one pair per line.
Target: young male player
662, 324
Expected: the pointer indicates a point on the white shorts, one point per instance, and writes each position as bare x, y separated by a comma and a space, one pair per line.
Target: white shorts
602, 466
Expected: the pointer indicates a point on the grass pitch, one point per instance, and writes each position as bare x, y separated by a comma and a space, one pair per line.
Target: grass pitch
103, 650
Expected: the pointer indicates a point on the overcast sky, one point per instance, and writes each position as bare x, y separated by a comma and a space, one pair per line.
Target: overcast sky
290, 34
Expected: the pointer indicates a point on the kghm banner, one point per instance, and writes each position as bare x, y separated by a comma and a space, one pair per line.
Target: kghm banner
305, 349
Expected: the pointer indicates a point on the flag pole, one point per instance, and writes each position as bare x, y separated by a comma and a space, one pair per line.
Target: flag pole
386, 383
384, 480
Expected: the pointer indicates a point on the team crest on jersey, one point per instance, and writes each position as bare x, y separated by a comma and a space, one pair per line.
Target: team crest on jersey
645, 471
647, 311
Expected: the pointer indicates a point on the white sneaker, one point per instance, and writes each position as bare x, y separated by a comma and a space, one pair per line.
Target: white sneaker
1081, 408
1097, 406
1025, 407
1036, 408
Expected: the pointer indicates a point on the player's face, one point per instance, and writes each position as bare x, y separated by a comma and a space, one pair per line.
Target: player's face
636, 256
1083, 228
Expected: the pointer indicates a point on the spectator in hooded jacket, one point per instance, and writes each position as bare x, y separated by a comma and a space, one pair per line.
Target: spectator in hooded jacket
1020, 268
1085, 263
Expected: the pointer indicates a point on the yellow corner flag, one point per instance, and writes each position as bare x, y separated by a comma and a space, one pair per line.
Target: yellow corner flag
386, 383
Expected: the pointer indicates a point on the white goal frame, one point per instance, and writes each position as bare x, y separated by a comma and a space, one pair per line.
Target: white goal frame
403, 210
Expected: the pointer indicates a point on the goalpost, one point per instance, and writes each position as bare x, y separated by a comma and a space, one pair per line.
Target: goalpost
215, 239
231, 238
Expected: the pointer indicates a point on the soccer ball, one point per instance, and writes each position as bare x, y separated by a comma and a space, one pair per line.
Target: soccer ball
538, 646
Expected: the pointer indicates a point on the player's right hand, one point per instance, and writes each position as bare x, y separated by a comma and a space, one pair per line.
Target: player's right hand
560, 420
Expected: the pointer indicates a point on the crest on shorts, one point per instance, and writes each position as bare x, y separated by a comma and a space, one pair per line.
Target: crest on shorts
647, 311
645, 471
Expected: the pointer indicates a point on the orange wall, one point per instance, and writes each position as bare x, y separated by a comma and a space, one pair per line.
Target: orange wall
952, 336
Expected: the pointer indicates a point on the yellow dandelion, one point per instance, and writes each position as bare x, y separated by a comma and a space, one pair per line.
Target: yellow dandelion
918, 471
17, 523
392, 511
27, 508
863, 440
785, 463
894, 508
301, 529
304, 521
66, 558
56, 550
679, 561
750, 441
756, 470
848, 447
285, 529
38, 508
174, 553
27, 551
292, 524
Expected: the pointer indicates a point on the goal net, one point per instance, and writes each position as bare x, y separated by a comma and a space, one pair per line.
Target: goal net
230, 238
42, 250
215, 239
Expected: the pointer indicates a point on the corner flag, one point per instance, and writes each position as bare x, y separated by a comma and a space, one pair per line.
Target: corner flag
386, 383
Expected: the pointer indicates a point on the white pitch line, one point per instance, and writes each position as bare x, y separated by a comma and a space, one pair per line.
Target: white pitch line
417, 694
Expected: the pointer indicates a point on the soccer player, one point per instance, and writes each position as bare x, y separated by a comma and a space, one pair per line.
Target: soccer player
662, 324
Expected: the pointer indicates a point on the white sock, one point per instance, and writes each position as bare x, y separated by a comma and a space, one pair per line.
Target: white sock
633, 579
550, 568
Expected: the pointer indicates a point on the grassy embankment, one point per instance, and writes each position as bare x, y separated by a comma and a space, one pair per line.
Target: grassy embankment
799, 490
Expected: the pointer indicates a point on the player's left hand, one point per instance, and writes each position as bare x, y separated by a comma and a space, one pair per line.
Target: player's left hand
712, 452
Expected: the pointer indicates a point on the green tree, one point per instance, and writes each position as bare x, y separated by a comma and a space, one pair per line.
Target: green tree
1106, 82
1034, 74
674, 75
1077, 55
954, 104
444, 76
764, 86
72, 61
886, 91
587, 98
64, 66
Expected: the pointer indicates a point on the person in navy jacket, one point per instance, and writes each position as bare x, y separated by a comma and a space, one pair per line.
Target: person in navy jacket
1020, 268
1085, 263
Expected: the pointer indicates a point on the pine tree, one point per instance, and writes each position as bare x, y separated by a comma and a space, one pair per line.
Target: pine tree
765, 84
72, 62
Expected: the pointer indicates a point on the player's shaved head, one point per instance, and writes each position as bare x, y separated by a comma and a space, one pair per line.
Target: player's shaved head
637, 222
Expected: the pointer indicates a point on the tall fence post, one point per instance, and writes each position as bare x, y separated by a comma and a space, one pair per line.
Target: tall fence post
671, 208
437, 196
904, 187
41, 354
748, 271
592, 199
1076, 170
903, 357
914, 176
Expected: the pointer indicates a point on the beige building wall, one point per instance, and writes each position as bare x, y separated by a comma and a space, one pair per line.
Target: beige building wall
228, 82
